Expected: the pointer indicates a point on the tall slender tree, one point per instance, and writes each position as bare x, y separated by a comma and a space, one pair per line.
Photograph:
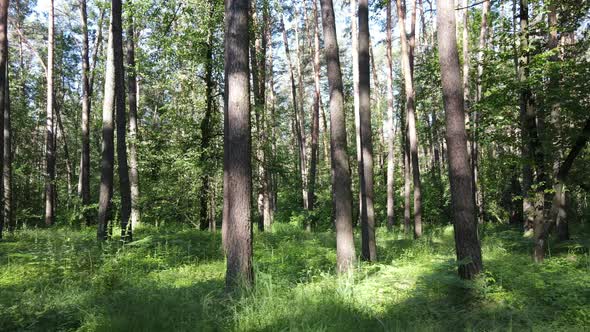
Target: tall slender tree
369, 248
84, 183
5, 121
410, 94
108, 136
237, 167
132, 101
390, 122
50, 191
341, 194
466, 239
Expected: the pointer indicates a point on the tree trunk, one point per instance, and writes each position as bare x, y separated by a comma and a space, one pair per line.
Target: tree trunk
68, 161
410, 92
237, 162
390, 125
466, 238
315, 117
301, 117
297, 126
121, 121
84, 179
132, 100
50, 131
108, 139
483, 34
355, 94
341, 194
369, 249
5, 214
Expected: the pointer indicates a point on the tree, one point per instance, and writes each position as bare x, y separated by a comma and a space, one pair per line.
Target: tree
108, 139
407, 47
368, 214
4, 105
237, 167
390, 123
84, 188
50, 191
132, 101
341, 194
466, 239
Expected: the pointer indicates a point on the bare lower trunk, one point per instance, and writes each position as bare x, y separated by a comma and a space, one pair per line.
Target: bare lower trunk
132, 100
108, 142
369, 249
84, 178
301, 118
315, 117
50, 128
479, 95
341, 194
390, 126
407, 66
5, 214
237, 147
466, 237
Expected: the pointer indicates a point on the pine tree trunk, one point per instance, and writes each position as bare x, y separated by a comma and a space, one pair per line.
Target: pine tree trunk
237, 140
84, 178
390, 125
315, 117
108, 139
5, 214
341, 194
483, 34
407, 68
369, 249
466, 238
301, 117
50, 128
132, 100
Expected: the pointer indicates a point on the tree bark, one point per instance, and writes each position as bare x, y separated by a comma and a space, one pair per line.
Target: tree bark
390, 124
132, 100
121, 121
466, 239
301, 117
5, 214
369, 249
84, 179
237, 145
355, 95
341, 194
50, 128
108, 139
410, 92
483, 35
315, 116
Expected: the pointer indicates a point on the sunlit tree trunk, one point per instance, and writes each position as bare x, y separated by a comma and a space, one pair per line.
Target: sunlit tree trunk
5, 214
355, 95
483, 35
237, 147
410, 92
341, 194
108, 140
390, 124
315, 116
50, 128
132, 100
301, 116
84, 178
466, 238
369, 249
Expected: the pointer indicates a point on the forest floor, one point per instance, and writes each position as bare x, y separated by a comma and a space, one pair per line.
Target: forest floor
172, 279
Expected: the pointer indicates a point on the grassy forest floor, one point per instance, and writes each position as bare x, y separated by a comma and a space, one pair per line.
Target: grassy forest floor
172, 279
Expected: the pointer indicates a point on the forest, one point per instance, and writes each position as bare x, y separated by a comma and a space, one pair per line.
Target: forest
311, 165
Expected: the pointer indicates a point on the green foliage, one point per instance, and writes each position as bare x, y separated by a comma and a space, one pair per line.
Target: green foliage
172, 279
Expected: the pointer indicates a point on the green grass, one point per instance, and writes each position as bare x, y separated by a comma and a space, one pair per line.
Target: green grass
172, 279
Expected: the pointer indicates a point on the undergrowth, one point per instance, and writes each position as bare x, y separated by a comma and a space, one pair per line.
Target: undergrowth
171, 279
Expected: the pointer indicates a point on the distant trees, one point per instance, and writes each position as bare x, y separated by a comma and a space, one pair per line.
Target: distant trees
466, 237
237, 186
